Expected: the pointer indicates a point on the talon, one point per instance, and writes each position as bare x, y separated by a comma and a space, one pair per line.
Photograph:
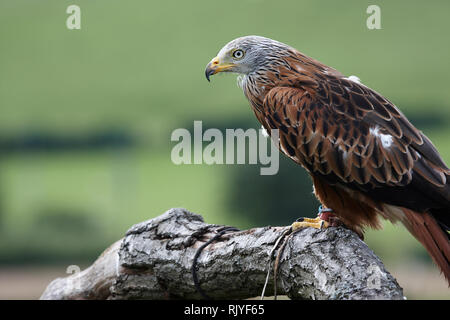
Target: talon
317, 223
325, 218
324, 224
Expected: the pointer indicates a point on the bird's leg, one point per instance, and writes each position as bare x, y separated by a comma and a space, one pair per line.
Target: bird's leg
325, 218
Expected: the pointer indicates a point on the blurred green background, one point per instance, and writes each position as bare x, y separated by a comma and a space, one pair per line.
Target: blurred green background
86, 118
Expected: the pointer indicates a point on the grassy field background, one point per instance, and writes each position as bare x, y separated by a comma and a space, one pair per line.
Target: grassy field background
86, 116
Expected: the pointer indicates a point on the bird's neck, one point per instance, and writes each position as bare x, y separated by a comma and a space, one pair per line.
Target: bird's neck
255, 87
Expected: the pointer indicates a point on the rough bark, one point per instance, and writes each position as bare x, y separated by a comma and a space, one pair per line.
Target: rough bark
154, 259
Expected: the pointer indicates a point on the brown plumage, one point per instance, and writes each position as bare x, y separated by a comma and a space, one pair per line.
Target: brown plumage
365, 158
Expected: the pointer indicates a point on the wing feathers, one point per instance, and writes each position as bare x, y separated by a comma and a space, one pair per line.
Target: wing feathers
347, 130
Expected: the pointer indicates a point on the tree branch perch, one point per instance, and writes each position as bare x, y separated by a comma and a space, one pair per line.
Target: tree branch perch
154, 259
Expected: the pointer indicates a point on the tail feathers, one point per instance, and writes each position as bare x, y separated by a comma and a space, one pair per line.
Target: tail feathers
428, 231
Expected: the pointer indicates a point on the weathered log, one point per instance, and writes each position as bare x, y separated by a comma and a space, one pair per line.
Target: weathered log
154, 259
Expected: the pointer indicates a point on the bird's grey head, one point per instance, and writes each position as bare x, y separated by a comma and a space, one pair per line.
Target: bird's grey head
246, 55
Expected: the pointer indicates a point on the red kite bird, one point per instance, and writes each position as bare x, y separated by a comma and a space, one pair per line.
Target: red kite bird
365, 158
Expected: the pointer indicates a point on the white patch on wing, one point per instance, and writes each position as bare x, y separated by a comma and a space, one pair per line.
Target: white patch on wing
354, 79
386, 139
375, 131
344, 153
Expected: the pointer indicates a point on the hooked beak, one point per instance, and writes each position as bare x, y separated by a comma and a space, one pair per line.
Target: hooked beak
215, 67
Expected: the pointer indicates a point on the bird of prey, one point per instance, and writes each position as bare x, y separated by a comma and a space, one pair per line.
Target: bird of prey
365, 158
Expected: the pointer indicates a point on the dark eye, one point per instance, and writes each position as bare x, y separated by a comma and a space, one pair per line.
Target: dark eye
238, 54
